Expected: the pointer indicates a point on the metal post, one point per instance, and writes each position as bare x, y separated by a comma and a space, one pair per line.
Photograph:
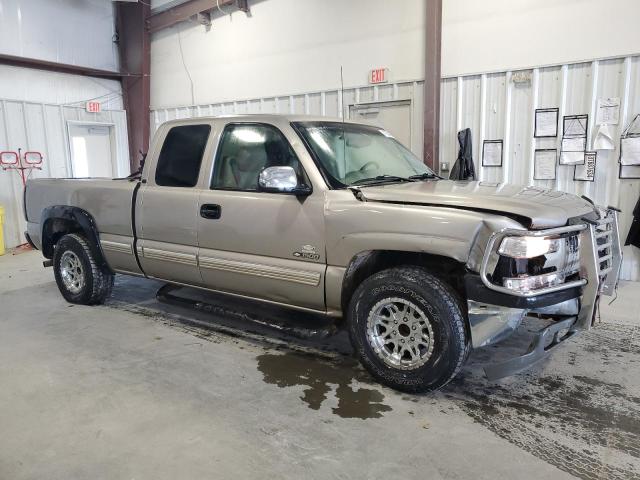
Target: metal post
135, 58
433, 27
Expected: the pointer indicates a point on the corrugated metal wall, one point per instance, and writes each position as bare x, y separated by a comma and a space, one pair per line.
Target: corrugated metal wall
37, 104
494, 108
43, 127
78, 32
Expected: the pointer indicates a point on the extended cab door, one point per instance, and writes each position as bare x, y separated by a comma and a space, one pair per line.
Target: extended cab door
263, 245
167, 206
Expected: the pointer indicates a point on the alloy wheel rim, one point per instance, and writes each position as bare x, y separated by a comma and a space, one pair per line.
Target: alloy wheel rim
71, 272
400, 333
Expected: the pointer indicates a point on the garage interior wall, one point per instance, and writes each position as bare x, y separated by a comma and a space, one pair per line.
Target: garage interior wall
291, 46
222, 71
36, 105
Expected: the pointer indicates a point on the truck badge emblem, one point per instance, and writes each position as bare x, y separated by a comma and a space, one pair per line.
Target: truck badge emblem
308, 252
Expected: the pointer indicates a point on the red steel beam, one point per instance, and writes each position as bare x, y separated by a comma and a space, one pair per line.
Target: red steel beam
183, 12
38, 64
135, 57
433, 44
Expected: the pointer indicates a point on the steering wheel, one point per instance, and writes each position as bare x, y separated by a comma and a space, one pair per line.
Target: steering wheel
357, 174
368, 166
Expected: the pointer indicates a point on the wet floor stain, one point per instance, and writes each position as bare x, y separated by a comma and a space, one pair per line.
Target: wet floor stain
320, 378
581, 413
587, 425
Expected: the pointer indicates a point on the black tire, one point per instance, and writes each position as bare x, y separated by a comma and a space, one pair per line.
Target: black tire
449, 347
96, 282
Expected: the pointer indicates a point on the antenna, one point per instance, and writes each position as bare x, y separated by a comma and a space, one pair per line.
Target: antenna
342, 93
344, 138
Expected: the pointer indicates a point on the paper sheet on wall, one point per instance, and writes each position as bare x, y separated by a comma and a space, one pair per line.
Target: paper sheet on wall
608, 111
630, 151
604, 139
492, 154
545, 165
586, 172
629, 172
572, 151
546, 123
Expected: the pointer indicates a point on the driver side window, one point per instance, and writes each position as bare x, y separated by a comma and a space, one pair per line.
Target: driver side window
245, 150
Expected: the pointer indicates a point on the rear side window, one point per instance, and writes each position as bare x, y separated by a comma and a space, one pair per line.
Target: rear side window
181, 156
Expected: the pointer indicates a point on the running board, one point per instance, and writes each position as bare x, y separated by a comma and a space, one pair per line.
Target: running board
539, 349
164, 295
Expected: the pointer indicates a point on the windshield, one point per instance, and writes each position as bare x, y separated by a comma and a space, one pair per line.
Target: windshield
359, 154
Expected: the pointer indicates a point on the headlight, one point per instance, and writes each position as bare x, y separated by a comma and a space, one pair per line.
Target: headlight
536, 282
528, 247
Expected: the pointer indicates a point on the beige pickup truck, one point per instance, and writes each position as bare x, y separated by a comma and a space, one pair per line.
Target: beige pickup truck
337, 218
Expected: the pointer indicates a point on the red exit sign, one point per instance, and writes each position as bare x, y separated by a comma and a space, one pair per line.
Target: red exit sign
94, 107
379, 75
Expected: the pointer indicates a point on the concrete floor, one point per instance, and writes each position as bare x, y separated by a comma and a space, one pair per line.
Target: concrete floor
137, 389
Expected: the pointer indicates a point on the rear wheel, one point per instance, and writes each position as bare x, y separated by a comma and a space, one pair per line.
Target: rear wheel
407, 328
79, 277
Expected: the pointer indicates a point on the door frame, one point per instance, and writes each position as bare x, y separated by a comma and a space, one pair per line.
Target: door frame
112, 141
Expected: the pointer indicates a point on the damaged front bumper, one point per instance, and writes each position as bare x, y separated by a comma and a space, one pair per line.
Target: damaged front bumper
494, 314
543, 342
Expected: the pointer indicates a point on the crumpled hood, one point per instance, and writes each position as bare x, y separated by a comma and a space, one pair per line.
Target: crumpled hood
545, 208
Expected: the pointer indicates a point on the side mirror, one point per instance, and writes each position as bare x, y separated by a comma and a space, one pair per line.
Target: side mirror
281, 180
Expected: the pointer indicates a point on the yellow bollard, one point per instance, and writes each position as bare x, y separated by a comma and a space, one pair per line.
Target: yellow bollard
1, 230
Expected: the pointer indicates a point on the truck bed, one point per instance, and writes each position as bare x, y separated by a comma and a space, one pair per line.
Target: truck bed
108, 201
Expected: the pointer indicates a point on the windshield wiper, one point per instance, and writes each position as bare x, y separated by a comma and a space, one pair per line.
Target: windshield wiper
381, 179
424, 176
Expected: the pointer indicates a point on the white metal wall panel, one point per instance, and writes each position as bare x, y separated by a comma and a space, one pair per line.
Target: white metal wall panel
64, 31
494, 108
448, 114
494, 120
43, 127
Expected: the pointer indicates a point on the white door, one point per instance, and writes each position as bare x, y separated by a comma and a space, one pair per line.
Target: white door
394, 117
92, 153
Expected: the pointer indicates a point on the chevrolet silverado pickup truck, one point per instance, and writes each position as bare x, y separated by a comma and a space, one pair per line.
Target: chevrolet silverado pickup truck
340, 219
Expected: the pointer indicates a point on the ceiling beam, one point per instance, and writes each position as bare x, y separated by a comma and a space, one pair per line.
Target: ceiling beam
184, 11
432, 66
38, 64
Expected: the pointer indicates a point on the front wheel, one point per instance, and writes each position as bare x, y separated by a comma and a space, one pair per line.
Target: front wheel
79, 277
407, 328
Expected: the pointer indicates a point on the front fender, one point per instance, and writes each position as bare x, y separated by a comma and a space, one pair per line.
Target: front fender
452, 247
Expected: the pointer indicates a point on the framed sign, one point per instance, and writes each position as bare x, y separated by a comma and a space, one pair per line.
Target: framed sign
575, 125
586, 172
630, 150
629, 160
572, 151
574, 139
544, 164
629, 172
492, 153
546, 123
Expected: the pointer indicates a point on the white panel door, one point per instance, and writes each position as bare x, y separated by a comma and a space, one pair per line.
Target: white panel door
394, 117
91, 150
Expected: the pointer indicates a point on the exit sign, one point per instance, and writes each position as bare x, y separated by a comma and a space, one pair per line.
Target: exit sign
93, 107
379, 75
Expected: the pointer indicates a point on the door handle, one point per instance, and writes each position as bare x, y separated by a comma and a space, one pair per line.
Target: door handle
210, 211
